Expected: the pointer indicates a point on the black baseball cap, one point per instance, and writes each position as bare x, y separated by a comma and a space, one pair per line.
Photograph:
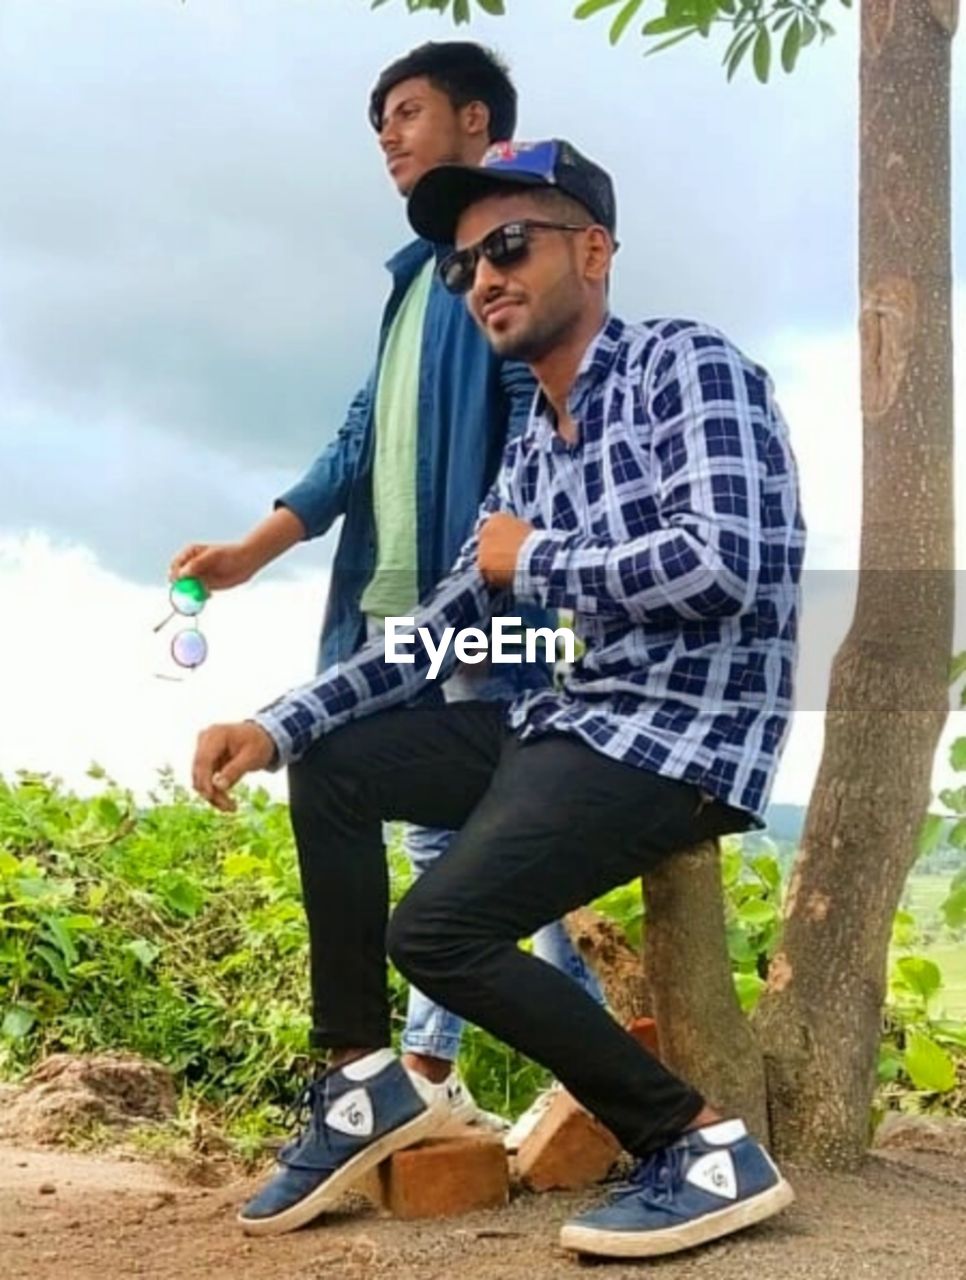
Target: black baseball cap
442, 194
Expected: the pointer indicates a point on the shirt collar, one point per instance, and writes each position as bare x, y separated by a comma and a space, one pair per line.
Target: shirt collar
595, 367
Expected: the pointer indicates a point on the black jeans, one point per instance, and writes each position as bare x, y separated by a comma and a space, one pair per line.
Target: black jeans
543, 827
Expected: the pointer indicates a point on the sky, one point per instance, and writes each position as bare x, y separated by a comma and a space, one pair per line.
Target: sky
193, 221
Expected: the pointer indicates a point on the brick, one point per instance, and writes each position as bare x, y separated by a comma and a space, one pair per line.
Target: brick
644, 1030
569, 1149
446, 1176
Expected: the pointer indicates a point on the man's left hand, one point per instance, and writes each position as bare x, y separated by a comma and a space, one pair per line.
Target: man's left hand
225, 753
501, 538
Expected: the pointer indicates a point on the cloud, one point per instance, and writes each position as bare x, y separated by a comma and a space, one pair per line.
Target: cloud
194, 216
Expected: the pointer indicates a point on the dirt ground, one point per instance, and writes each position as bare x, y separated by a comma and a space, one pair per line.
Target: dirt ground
79, 1217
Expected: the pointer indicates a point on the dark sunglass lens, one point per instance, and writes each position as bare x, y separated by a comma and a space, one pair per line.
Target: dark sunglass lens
457, 271
506, 244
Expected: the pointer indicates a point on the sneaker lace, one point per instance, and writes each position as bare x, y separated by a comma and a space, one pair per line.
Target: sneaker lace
299, 1115
655, 1179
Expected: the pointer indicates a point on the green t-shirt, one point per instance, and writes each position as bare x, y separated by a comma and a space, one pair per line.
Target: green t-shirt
393, 590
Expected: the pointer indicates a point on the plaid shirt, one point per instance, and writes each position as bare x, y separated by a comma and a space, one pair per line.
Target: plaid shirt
672, 531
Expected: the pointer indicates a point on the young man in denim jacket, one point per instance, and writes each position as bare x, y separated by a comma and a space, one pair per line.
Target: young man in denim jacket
420, 446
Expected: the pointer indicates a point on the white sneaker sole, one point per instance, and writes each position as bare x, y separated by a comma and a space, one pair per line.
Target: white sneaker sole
425, 1125
650, 1244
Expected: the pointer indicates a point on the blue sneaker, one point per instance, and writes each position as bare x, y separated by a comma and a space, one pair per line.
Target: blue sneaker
708, 1183
358, 1115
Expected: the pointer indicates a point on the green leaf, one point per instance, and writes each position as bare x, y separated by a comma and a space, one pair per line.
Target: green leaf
9, 865
748, 987
928, 1065
954, 909
182, 896
904, 929
920, 975
662, 26
957, 755
623, 19
59, 934
461, 11
671, 41
954, 799
931, 833
791, 46
957, 836
757, 914
589, 7
736, 52
143, 951
761, 56
496, 8
17, 1022
107, 811
732, 866
889, 1066
957, 667
767, 869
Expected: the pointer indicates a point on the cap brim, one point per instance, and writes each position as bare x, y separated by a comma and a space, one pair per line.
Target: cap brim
441, 195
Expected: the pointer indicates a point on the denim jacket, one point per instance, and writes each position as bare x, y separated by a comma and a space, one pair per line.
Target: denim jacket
470, 404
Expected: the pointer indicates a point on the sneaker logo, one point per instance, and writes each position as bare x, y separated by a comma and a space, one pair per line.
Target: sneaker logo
715, 1174
352, 1114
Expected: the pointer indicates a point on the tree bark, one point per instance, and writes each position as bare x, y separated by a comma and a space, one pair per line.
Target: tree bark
704, 1037
601, 944
888, 700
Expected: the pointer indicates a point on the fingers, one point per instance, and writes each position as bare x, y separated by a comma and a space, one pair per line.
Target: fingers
211, 753
182, 566
224, 754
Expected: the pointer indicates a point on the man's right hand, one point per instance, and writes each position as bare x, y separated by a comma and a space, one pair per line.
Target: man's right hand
219, 565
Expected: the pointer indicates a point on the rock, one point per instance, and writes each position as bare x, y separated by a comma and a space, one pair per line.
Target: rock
67, 1093
921, 1133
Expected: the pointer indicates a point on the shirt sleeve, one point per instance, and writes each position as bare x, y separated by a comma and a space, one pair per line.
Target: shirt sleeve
367, 683
704, 559
322, 493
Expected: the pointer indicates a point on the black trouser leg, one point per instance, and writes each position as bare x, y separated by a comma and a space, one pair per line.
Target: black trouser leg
430, 765
559, 825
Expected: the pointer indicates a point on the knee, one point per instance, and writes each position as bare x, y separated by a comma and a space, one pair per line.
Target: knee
408, 942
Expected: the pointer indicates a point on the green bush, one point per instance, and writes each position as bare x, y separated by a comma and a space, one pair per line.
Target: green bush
178, 933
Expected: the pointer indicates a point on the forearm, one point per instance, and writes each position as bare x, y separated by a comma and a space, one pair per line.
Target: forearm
690, 570
272, 537
367, 684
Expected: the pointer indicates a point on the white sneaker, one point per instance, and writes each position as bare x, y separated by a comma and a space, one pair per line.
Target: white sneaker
464, 1109
525, 1123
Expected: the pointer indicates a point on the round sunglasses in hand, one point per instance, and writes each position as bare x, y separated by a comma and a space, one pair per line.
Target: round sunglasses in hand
187, 598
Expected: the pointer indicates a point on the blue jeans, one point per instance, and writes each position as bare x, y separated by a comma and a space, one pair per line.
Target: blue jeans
431, 1029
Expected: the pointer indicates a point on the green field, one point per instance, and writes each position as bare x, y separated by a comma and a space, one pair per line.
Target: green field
923, 897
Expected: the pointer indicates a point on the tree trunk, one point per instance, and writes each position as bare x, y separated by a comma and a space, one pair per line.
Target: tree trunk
820, 1018
704, 1037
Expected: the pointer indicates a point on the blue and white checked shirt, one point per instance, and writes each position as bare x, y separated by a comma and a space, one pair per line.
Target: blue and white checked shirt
672, 530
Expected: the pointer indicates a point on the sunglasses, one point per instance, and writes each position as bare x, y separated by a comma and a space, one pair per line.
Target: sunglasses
502, 248
187, 598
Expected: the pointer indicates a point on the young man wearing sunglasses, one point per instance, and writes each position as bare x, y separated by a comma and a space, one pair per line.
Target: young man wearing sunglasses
653, 493
414, 459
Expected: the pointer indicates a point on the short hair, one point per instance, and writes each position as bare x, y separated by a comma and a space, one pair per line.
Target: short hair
558, 204
464, 71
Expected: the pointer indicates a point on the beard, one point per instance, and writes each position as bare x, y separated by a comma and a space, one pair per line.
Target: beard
559, 313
